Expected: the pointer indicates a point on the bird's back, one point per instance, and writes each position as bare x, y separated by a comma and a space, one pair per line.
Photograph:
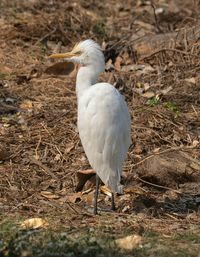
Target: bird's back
105, 130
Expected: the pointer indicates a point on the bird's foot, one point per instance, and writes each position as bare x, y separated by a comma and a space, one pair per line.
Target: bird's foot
95, 210
113, 208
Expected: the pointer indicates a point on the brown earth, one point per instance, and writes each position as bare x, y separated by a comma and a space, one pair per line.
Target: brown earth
40, 149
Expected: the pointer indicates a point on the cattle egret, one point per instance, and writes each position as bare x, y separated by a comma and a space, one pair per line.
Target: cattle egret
104, 122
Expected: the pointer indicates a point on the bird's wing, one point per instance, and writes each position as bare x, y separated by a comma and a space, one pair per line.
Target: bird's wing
104, 127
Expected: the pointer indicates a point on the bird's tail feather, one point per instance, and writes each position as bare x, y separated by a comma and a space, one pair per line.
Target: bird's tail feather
115, 187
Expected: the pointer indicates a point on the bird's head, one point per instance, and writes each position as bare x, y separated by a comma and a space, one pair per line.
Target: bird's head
86, 53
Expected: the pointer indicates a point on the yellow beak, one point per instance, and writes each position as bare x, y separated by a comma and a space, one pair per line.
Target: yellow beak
64, 55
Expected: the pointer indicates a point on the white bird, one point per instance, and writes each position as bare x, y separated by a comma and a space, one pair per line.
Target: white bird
104, 122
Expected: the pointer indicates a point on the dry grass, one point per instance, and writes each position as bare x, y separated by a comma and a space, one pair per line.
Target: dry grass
40, 147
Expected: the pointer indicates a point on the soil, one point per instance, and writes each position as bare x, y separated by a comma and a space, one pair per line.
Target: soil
40, 152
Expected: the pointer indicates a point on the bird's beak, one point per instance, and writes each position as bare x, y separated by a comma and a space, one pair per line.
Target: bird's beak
64, 55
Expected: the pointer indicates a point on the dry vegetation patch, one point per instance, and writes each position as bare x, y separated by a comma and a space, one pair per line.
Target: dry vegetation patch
40, 151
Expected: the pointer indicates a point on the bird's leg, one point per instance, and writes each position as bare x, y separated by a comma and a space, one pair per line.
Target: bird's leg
113, 202
96, 194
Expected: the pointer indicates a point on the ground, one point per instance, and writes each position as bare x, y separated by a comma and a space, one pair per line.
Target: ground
151, 50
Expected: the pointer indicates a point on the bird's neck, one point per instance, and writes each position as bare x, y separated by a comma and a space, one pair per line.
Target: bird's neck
86, 77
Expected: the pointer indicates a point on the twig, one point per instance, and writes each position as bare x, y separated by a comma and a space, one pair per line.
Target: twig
190, 158
169, 49
195, 111
117, 43
71, 207
170, 216
46, 36
165, 117
159, 186
55, 204
155, 17
44, 167
164, 151
38, 144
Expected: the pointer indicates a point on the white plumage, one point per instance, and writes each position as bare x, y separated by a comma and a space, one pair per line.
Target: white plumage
104, 128
104, 122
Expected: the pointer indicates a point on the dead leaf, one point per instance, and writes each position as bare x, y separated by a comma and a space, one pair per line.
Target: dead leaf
69, 147
57, 157
88, 198
49, 195
83, 176
60, 68
87, 172
87, 191
129, 242
34, 223
90, 184
194, 166
191, 80
126, 208
144, 25
148, 94
146, 86
195, 143
156, 150
109, 65
72, 198
118, 63
4, 154
126, 58
138, 148
124, 198
166, 90
159, 11
106, 190
133, 190
139, 68
26, 104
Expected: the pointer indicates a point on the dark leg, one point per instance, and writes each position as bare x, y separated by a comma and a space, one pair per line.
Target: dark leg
96, 194
113, 202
